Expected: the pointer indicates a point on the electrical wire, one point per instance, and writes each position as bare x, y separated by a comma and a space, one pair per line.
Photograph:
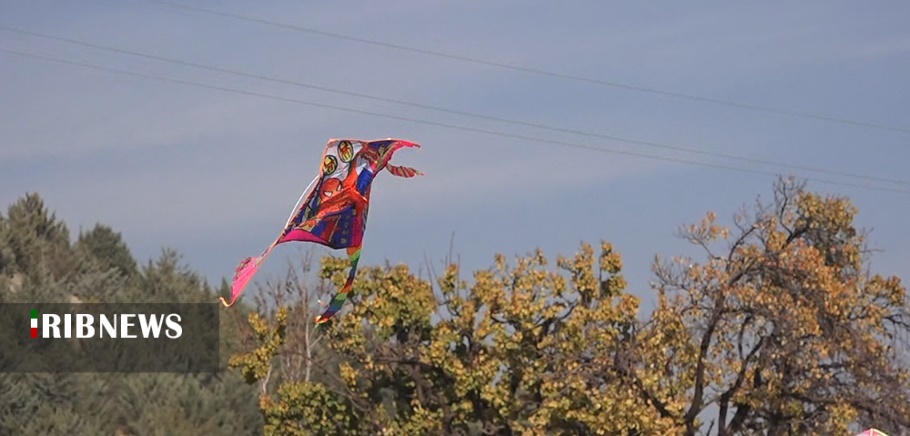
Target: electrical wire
453, 111
423, 121
537, 71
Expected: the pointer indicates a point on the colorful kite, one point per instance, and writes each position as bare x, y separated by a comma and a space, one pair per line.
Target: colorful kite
334, 213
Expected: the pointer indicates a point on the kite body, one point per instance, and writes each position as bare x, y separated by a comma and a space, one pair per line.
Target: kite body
334, 213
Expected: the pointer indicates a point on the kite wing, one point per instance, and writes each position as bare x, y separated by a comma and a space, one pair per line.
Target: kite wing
334, 212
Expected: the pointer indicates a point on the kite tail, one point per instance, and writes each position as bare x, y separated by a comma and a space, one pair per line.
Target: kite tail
243, 274
342, 295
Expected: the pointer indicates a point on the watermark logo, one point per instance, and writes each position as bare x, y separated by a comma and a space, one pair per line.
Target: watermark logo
125, 326
122, 338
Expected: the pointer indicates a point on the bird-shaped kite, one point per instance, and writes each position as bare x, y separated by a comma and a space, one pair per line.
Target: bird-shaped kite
334, 213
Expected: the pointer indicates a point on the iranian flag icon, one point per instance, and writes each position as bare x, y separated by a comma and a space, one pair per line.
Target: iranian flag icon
34, 323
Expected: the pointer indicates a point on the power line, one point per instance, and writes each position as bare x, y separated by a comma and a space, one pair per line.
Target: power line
423, 121
540, 72
453, 111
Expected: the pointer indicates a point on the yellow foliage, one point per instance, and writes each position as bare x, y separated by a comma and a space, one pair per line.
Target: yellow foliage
780, 330
784, 324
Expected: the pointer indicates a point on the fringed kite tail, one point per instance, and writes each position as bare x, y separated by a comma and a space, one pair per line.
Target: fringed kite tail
402, 171
342, 295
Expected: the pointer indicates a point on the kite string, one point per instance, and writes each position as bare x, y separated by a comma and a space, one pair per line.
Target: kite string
265, 254
300, 200
294, 212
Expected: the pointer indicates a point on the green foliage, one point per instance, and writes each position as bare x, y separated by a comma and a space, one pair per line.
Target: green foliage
7, 256
37, 264
503, 354
303, 408
166, 279
107, 248
783, 332
34, 239
178, 404
257, 364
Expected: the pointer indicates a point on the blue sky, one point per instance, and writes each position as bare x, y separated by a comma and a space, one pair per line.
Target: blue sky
215, 173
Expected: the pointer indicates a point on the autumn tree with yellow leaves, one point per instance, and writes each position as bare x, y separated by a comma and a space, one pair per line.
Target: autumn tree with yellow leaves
781, 330
503, 354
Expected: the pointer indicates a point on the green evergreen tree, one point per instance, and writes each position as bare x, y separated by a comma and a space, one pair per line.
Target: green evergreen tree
107, 247
7, 258
38, 264
37, 240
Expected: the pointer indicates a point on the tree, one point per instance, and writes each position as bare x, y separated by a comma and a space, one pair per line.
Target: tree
35, 240
782, 331
286, 357
785, 330
506, 354
168, 279
7, 257
37, 263
106, 247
